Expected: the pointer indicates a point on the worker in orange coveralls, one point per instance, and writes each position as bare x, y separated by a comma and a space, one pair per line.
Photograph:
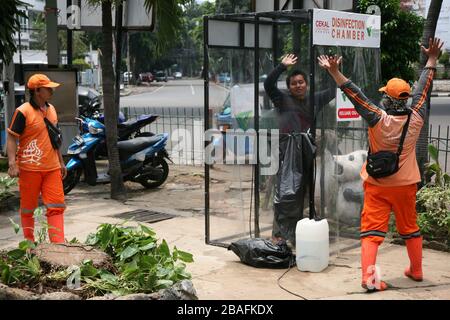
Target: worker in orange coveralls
395, 192
39, 166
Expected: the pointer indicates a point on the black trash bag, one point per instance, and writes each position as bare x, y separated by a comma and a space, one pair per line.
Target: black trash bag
294, 182
290, 188
262, 253
290, 172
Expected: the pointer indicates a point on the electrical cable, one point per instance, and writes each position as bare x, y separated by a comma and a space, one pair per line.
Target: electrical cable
251, 203
283, 288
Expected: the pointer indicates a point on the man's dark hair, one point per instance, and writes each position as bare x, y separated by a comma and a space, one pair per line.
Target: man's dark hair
294, 73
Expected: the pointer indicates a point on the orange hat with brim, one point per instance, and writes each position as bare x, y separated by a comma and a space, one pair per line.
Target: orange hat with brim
39, 81
397, 89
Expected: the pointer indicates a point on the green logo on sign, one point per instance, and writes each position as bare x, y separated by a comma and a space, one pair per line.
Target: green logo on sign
369, 31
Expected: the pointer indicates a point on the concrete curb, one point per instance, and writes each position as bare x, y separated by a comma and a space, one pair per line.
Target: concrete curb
440, 94
125, 93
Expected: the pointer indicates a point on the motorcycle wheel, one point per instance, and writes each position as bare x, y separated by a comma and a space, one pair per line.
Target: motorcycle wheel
150, 183
71, 180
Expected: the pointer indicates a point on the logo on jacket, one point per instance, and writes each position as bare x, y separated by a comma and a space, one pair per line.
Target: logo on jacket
32, 153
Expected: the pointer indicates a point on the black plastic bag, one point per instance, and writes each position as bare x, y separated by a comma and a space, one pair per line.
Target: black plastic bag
262, 253
290, 173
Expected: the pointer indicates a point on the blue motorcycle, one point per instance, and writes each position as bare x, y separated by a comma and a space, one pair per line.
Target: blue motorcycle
142, 160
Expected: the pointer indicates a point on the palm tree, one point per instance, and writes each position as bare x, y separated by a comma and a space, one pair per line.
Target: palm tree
428, 32
10, 24
168, 19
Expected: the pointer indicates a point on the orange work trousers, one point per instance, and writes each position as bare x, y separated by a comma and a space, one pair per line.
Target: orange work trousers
49, 185
379, 202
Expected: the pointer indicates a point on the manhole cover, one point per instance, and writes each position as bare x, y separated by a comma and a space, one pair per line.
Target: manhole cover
144, 216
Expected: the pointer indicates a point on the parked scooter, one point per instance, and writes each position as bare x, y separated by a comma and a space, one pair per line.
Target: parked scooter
126, 129
142, 159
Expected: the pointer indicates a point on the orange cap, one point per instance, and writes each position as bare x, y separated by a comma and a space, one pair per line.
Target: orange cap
397, 88
41, 80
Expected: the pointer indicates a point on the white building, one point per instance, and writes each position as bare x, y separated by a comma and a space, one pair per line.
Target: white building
35, 7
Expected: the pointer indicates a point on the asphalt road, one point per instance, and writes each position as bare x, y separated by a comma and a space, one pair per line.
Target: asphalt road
177, 93
440, 112
189, 93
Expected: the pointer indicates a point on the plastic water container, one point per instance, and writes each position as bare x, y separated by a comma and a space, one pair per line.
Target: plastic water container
312, 245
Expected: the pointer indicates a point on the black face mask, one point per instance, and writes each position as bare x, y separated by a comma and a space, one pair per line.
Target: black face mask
395, 107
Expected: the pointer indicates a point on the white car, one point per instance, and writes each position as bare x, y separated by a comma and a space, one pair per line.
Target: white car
178, 75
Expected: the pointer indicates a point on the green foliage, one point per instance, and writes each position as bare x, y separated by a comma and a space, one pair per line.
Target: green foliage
434, 202
81, 64
39, 35
401, 33
434, 215
79, 43
5, 185
19, 266
143, 264
445, 58
11, 11
168, 21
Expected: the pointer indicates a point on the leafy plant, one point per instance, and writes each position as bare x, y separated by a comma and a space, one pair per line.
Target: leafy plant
434, 169
434, 202
5, 185
143, 264
19, 266
140, 263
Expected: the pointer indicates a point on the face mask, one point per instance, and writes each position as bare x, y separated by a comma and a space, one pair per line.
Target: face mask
394, 106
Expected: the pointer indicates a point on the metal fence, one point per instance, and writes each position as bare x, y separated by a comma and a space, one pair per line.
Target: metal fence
185, 127
439, 136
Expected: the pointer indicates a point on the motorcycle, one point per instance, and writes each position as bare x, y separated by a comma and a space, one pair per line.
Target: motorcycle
126, 129
142, 159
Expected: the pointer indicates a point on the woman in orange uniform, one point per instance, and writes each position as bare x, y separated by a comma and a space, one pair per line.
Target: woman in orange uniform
32, 158
396, 192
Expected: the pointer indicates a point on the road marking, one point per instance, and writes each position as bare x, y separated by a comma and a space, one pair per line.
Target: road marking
221, 87
157, 89
192, 90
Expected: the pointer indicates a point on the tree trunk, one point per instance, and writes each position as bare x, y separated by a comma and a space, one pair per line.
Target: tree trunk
118, 191
428, 32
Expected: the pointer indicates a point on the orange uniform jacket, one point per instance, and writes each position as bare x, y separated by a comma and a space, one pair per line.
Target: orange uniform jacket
35, 152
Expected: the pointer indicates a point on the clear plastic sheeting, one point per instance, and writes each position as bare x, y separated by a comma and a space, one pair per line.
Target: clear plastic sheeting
233, 150
241, 182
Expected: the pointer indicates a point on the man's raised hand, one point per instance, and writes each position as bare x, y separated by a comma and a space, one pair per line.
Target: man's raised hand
289, 60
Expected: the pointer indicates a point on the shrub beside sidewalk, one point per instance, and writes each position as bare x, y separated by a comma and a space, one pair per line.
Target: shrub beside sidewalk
136, 267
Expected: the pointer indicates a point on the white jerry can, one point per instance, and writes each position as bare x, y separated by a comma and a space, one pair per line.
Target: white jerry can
312, 245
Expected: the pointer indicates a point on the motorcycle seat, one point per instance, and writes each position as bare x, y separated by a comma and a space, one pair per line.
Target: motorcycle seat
137, 144
125, 124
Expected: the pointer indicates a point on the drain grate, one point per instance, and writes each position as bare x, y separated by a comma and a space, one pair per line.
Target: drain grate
144, 216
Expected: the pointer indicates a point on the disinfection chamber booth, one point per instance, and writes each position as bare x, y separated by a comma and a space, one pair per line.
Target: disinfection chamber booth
242, 124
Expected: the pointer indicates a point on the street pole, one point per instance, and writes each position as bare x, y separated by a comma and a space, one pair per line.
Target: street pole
119, 13
69, 37
52, 32
9, 100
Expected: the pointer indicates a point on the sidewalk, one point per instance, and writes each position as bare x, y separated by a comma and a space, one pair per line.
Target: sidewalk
218, 273
440, 94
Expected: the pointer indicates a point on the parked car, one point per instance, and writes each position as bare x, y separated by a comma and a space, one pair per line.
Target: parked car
224, 77
161, 76
178, 75
146, 77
